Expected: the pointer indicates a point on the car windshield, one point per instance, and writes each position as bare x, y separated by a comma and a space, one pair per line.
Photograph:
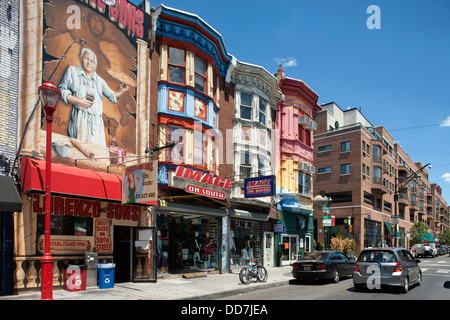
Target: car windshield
315, 256
377, 255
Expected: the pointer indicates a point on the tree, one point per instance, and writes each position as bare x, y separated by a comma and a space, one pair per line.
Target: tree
417, 231
444, 237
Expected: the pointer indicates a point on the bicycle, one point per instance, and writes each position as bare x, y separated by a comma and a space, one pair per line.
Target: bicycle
253, 270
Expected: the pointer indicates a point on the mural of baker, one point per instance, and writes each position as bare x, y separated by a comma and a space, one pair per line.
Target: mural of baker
84, 89
97, 76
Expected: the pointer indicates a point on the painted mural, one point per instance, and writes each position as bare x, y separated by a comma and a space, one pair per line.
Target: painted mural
96, 117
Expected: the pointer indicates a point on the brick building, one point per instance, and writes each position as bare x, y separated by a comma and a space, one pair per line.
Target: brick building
360, 166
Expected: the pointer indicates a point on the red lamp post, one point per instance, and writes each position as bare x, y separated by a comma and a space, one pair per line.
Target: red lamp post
49, 96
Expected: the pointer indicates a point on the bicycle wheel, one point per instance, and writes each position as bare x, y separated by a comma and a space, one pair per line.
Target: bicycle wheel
262, 274
244, 275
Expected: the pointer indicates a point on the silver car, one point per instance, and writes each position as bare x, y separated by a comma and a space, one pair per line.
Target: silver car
376, 267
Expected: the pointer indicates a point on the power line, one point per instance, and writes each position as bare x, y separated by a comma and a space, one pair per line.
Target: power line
417, 127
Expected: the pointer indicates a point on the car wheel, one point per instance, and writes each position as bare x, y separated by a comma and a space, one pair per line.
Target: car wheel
419, 282
405, 287
335, 278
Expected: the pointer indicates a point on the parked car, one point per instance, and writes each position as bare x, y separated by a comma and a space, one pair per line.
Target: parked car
386, 266
332, 265
431, 250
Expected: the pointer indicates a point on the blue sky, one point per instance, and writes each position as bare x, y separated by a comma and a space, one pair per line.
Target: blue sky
398, 75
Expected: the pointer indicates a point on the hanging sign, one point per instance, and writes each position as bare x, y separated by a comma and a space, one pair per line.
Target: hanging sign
259, 187
140, 183
198, 182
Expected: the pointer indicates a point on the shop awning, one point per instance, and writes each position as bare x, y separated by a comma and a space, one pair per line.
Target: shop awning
180, 208
428, 237
290, 202
243, 214
9, 197
71, 180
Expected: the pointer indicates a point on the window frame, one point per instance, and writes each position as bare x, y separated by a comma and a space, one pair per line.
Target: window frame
171, 65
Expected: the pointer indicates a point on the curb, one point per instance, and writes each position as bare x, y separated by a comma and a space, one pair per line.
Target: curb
223, 294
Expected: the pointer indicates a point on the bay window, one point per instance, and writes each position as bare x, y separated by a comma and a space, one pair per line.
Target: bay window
176, 65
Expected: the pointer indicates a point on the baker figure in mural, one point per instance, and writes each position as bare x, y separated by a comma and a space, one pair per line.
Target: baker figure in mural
84, 89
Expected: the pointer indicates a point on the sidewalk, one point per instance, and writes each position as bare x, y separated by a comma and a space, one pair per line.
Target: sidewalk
213, 286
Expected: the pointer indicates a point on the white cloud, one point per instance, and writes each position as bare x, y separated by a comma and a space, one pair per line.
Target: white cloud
287, 62
446, 122
446, 177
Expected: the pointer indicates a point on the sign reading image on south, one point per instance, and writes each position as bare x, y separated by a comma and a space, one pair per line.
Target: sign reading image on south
259, 187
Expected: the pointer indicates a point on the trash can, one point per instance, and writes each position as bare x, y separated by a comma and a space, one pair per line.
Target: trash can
75, 278
106, 275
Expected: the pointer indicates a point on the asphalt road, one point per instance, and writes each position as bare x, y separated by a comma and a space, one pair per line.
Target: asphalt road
435, 272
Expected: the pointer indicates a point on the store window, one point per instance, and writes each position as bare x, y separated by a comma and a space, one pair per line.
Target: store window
66, 225
372, 233
176, 65
245, 242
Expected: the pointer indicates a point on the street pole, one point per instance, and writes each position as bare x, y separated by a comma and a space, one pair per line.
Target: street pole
49, 97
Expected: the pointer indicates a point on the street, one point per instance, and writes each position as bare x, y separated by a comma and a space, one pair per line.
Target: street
435, 272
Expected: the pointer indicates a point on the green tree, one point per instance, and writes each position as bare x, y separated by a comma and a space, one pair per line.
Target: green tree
417, 232
444, 237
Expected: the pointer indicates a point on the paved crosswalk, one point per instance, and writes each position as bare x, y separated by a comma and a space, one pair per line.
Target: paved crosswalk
433, 267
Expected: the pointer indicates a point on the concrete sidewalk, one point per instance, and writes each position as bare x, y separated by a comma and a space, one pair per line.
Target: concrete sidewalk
213, 286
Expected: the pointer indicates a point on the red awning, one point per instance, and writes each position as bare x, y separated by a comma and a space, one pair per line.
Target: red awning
71, 180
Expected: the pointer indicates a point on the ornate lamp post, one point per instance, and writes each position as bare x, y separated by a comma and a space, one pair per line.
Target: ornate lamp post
49, 96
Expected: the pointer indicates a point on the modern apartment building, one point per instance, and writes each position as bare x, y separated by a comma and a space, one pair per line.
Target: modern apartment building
360, 167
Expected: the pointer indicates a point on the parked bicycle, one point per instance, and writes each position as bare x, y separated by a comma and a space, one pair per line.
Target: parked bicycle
253, 269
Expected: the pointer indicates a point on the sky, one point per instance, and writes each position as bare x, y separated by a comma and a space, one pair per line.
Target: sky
392, 61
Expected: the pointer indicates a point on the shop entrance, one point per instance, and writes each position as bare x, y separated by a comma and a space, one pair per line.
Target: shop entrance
187, 243
290, 249
122, 253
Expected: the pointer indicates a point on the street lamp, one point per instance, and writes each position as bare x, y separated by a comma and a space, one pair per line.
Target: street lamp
400, 186
49, 96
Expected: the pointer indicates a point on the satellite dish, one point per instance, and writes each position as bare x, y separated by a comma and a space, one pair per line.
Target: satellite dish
336, 124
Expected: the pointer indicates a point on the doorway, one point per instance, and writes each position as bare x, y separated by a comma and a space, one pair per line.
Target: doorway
122, 254
290, 249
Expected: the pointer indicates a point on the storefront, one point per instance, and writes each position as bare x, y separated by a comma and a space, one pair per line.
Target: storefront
10, 202
297, 228
87, 215
247, 237
189, 237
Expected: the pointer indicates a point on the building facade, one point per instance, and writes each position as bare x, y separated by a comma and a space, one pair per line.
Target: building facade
89, 50
294, 166
253, 215
362, 168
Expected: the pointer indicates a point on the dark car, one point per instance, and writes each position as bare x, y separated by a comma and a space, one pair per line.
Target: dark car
332, 265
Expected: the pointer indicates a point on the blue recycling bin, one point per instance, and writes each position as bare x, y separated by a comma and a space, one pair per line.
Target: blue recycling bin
105, 275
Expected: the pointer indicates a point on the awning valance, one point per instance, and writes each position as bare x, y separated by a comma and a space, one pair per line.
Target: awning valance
243, 214
70, 180
181, 208
9, 197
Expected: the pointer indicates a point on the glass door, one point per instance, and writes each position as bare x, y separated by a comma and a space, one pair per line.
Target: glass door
144, 243
290, 249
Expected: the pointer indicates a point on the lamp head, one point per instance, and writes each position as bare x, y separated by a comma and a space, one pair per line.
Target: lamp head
49, 95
